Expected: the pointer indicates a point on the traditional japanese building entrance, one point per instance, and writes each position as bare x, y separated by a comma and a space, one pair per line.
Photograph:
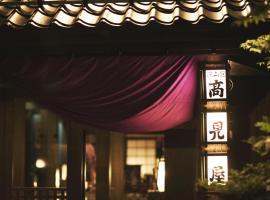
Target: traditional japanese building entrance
182, 144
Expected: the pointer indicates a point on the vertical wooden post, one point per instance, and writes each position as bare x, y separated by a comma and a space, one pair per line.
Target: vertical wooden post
117, 160
103, 155
6, 133
49, 124
75, 161
2, 149
181, 160
18, 162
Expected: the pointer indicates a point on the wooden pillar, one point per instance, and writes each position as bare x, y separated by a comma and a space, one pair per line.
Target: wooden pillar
2, 147
181, 157
102, 165
6, 132
117, 163
75, 162
48, 146
18, 162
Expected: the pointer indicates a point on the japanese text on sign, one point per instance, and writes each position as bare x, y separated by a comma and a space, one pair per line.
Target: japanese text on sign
215, 82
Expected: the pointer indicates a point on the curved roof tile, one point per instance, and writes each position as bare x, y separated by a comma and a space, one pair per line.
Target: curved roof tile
116, 14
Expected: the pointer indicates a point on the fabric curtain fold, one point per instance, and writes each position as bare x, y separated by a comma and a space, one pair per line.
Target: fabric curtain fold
120, 93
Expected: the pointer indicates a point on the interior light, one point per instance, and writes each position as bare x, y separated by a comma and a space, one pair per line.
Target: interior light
85, 178
64, 172
35, 184
40, 163
57, 178
161, 176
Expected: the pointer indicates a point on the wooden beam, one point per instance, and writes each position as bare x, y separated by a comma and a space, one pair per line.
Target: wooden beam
102, 165
75, 162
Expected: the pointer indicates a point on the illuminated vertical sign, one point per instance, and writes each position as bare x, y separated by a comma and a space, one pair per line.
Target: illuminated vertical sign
216, 127
215, 83
215, 124
217, 167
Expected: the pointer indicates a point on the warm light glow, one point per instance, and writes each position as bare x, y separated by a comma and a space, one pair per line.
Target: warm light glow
161, 176
215, 83
64, 172
216, 148
110, 173
86, 185
35, 184
40, 163
85, 178
216, 127
57, 178
216, 105
217, 168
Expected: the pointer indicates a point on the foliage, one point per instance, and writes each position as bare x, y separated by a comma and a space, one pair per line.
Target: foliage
252, 182
261, 45
261, 143
264, 125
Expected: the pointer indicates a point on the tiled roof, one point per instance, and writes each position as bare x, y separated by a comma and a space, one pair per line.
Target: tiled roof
139, 13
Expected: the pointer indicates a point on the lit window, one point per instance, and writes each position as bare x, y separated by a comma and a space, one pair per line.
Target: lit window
142, 152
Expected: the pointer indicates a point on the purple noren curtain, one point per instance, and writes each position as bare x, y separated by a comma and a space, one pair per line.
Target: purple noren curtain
122, 93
